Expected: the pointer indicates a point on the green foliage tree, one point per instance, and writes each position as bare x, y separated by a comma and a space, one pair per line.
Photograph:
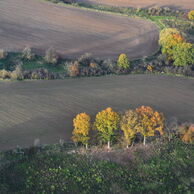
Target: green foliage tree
183, 54
106, 123
123, 61
81, 129
129, 125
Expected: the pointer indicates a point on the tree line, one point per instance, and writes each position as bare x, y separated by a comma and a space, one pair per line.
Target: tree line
144, 121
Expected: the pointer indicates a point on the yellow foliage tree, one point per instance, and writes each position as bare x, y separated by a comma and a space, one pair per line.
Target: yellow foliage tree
123, 61
81, 129
106, 122
191, 15
169, 38
129, 125
150, 121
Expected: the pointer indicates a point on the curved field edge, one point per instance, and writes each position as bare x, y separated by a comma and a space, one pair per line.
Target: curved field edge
186, 4
45, 109
105, 38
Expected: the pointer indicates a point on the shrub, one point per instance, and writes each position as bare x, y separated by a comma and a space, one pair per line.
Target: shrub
191, 15
123, 61
186, 132
81, 129
85, 59
27, 53
51, 56
5, 74
3, 54
17, 73
106, 122
74, 69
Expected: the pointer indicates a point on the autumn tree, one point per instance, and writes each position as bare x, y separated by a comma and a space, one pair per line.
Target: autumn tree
74, 69
81, 129
51, 56
17, 73
150, 121
129, 125
186, 133
106, 122
183, 54
169, 38
191, 15
123, 61
27, 53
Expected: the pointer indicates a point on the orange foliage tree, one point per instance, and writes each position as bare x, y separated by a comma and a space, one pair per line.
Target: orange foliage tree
186, 132
129, 125
81, 129
106, 122
169, 38
149, 122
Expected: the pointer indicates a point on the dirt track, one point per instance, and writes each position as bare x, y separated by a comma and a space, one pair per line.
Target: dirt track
177, 4
73, 31
45, 109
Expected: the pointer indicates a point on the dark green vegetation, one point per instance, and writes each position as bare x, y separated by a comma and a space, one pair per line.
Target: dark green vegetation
161, 167
85, 65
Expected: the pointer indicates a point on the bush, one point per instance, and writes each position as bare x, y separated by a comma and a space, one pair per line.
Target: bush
186, 132
3, 54
85, 59
5, 74
17, 73
74, 69
27, 53
191, 15
51, 56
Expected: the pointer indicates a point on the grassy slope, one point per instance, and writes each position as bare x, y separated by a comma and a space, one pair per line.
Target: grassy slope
168, 169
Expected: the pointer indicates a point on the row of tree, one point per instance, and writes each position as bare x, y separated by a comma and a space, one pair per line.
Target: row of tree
175, 46
143, 120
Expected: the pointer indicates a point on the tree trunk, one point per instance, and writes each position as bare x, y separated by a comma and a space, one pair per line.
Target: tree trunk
132, 144
86, 146
144, 140
108, 144
127, 145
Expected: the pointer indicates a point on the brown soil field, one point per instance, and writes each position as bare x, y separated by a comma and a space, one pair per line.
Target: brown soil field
177, 4
73, 31
45, 109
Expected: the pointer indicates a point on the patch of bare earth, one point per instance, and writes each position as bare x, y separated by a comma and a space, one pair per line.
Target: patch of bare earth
45, 109
73, 31
177, 4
